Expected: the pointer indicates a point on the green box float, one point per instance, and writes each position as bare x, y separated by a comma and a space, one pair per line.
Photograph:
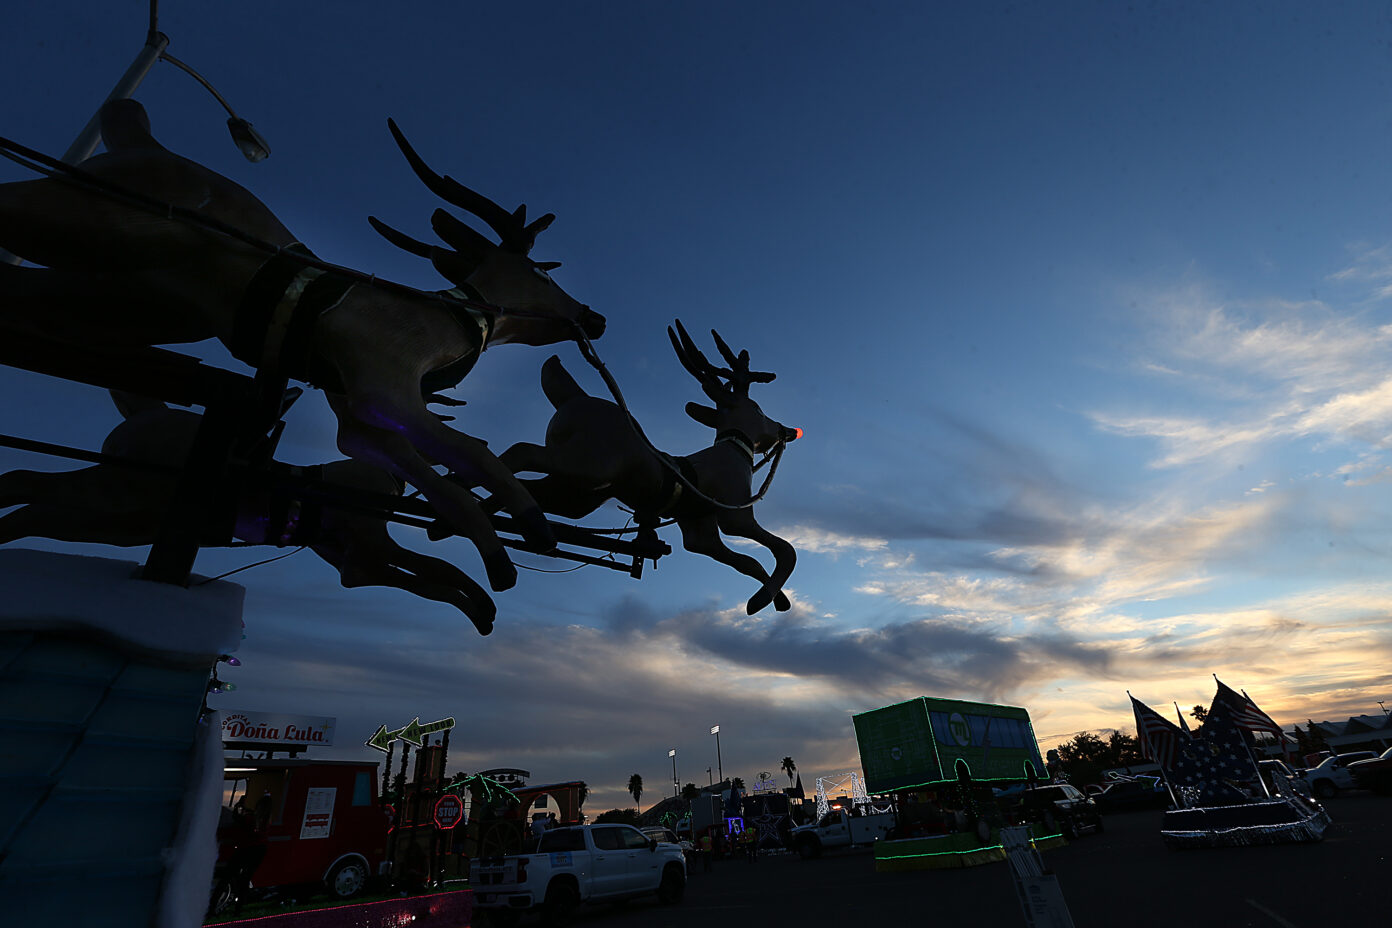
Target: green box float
951, 852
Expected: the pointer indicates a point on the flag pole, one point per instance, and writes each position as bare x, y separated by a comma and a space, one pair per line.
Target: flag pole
1144, 740
1247, 739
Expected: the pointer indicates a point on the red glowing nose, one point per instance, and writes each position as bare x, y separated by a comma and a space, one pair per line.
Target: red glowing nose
796, 434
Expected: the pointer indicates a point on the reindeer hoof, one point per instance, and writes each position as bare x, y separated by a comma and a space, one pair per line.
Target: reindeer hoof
502, 575
438, 530
781, 603
758, 601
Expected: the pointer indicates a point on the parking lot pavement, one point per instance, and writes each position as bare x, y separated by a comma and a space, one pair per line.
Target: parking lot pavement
1122, 877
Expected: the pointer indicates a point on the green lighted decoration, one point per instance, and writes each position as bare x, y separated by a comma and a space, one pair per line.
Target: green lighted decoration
411, 733
927, 740
488, 789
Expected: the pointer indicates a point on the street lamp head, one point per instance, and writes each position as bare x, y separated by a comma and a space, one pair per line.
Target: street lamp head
715, 729
672, 753
252, 145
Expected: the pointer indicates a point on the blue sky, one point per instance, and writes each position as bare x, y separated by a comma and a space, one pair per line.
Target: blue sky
1083, 309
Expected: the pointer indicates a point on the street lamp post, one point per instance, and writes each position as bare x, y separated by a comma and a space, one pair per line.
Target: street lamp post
1383, 708
248, 140
673, 754
715, 730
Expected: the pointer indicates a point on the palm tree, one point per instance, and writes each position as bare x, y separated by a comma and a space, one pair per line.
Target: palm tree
788, 768
635, 787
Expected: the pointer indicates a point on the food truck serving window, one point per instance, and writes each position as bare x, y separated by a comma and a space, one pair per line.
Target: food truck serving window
362, 788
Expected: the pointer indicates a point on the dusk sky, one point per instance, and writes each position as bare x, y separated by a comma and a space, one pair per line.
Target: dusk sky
1083, 308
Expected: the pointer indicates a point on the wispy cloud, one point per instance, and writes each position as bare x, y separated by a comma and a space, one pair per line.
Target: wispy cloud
1270, 371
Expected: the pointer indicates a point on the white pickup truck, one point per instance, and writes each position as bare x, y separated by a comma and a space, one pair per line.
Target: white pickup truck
569, 866
837, 829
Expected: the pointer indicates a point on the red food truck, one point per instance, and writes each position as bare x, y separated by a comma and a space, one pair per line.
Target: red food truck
318, 821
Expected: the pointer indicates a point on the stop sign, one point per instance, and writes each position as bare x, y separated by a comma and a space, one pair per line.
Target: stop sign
449, 809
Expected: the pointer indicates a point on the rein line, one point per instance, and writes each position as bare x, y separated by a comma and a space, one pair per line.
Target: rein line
587, 350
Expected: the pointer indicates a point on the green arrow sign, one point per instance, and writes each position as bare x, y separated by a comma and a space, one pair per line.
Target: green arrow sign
414, 732
411, 734
382, 739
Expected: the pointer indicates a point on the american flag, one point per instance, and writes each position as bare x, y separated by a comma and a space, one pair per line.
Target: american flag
1215, 767
1158, 737
1246, 714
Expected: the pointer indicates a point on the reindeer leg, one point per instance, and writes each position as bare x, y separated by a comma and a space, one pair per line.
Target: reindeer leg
741, 522
394, 452
701, 535
358, 567
526, 456
389, 403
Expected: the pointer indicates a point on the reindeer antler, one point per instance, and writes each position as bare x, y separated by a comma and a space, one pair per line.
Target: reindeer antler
691, 358
515, 233
734, 379
740, 376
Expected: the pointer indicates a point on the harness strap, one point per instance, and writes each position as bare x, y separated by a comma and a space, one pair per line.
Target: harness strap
676, 502
295, 522
444, 378
275, 322
739, 440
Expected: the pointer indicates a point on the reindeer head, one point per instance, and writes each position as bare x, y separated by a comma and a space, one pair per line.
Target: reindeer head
734, 415
501, 274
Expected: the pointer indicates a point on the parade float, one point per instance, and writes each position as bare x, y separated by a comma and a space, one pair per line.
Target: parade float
940, 760
1220, 798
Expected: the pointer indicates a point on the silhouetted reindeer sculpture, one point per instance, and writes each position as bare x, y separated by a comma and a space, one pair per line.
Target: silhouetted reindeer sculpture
145, 247
595, 451
117, 504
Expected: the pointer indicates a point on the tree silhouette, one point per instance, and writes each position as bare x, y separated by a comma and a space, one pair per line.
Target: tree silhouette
1086, 755
1199, 713
788, 768
737, 783
690, 791
618, 816
635, 786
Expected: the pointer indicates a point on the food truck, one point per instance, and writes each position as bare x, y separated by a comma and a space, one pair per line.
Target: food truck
318, 820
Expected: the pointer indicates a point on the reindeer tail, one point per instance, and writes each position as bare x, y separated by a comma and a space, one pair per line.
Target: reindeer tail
556, 382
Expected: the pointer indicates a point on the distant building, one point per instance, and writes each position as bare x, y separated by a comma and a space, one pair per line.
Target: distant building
1357, 733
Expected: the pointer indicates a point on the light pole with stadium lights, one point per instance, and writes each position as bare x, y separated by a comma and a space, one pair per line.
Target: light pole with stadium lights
673, 754
715, 730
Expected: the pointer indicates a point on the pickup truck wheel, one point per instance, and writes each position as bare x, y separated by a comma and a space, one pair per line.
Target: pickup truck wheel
809, 848
673, 886
1325, 788
347, 879
560, 904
